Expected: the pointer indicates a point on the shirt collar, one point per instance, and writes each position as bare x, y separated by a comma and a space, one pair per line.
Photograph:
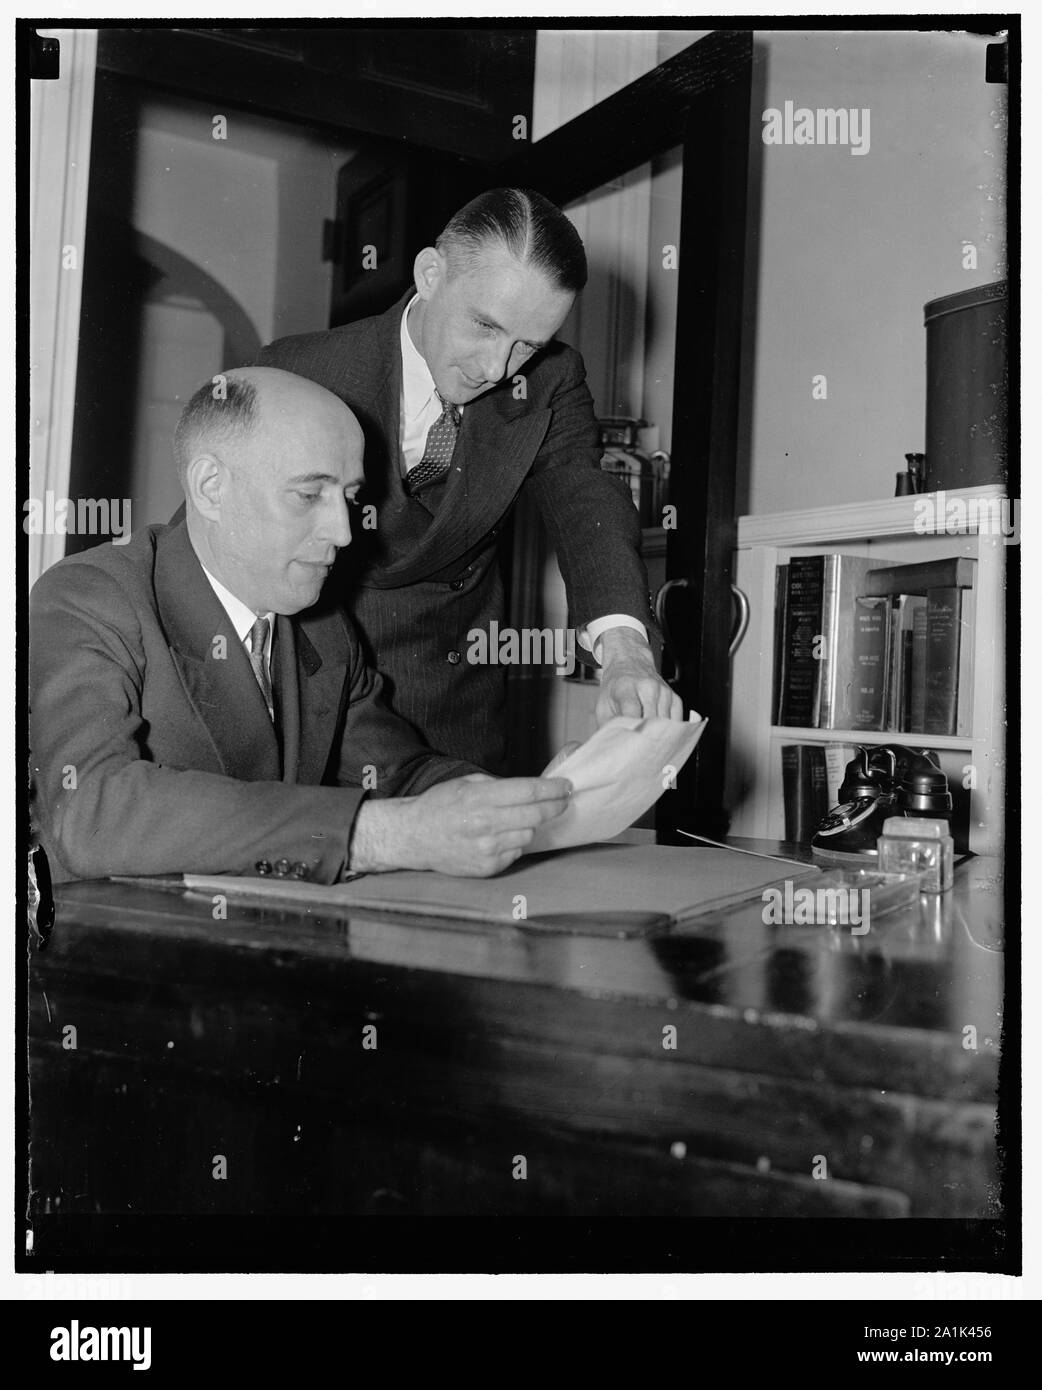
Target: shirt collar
242, 618
417, 383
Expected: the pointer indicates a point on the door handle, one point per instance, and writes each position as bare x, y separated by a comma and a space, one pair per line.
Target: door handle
738, 632
741, 626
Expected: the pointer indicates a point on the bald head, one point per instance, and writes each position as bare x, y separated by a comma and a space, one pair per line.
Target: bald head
269, 463
229, 409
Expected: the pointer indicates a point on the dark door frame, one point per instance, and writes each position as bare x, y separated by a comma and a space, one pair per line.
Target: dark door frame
699, 98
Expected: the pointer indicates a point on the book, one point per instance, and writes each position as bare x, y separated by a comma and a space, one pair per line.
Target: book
943, 634
967, 648
917, 675
903, 608
804, 790
954, 572
844, 579
870, 652
781, 608
837, 755
799, 678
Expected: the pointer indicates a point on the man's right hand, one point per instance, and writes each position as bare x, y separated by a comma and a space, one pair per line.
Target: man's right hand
473, 826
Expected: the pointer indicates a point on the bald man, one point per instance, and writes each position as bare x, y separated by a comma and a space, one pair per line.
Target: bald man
196, 707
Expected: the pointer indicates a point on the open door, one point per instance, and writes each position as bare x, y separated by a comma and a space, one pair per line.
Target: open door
699, 100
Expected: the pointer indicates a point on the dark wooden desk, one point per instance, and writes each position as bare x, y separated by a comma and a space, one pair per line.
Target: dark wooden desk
814, 1073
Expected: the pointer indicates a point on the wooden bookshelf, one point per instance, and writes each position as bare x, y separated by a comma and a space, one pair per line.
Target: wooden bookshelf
886, 531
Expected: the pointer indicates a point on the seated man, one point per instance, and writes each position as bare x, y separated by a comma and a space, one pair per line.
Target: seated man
195, 708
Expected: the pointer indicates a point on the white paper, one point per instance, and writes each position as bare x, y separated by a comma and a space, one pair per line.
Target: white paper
616, 775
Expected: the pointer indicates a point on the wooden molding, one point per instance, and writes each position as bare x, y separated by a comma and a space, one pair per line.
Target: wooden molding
847, 521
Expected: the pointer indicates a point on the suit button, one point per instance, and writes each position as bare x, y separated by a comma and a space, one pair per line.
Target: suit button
300, 871
263, 866
456, 584
282, 868
453, 658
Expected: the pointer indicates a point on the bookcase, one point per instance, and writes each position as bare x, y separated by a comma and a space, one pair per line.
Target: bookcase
885, 531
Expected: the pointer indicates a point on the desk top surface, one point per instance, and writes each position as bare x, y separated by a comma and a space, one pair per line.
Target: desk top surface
934, 967
745, 1041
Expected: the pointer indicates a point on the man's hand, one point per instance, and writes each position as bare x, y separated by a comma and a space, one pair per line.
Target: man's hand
629, 682
559, 757
473, 826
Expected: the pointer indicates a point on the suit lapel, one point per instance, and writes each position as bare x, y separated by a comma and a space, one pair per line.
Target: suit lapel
315, 682
287, 695
212, 663
498, 440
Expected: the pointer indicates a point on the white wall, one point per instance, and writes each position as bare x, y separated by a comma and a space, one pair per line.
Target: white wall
846, 249
249, 209
851, 247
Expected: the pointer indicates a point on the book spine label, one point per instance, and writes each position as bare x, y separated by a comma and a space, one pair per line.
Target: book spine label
825, 708
871, 638
917, 683
781, 665
943, 622
803, 626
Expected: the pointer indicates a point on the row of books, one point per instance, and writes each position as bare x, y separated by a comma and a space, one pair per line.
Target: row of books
867, 644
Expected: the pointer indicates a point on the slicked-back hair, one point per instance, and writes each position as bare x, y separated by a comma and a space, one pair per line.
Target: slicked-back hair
214, 414
532, 229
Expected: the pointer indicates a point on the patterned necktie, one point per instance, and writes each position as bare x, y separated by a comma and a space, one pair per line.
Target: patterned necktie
437, 455
258, 645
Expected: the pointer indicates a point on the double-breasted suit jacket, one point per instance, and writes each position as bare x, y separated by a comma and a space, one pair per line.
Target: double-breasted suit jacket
427, 574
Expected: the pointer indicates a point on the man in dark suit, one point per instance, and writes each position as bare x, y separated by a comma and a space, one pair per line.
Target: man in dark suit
466, 399
196, 708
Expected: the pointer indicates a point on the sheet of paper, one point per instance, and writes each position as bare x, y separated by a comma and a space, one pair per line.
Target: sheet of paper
616, 775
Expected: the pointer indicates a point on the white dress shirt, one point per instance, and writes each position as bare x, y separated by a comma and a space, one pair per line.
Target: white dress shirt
420, 406
242, 618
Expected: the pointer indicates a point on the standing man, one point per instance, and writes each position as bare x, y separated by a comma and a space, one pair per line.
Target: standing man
466, 398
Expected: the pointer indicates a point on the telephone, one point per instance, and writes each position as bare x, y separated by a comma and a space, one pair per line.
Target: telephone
880, 781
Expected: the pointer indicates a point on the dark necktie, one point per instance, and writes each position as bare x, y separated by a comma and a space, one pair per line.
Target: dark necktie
437, 455
258, 643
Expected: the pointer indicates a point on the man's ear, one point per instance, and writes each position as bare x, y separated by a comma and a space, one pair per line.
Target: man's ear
205, 480
429, 269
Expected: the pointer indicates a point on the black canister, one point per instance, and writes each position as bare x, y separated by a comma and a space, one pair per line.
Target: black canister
967, 387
